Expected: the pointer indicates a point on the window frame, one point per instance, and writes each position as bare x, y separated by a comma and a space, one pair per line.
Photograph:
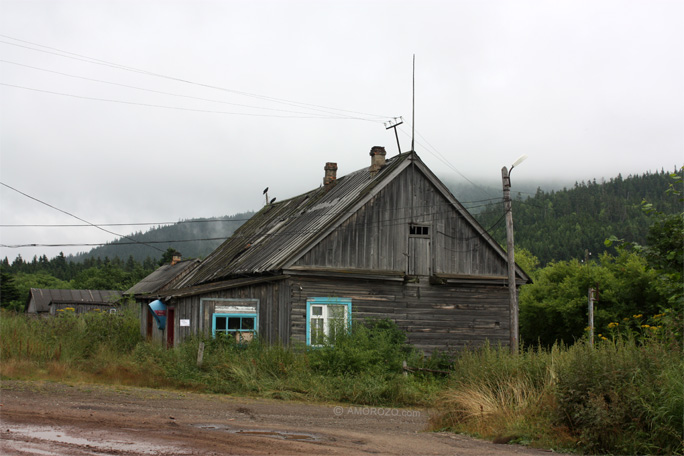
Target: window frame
233, 332
236, 307
325, 303
425, 230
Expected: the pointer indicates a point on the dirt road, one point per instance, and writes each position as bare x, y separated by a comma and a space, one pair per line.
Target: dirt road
53, 418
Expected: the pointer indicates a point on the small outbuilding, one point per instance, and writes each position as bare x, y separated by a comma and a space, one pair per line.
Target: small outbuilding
50, 302
152, 288
386, 241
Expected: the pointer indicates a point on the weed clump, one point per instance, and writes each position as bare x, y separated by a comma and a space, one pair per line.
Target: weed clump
621, 397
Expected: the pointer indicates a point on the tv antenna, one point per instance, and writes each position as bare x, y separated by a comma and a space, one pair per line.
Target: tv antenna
394, 123
413, 108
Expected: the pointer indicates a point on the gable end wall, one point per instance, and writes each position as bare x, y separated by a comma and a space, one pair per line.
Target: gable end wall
377, 236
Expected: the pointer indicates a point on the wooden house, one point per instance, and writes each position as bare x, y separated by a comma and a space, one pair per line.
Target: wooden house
386, 241
51, 302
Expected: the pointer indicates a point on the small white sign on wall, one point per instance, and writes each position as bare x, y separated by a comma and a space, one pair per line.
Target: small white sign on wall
185, 322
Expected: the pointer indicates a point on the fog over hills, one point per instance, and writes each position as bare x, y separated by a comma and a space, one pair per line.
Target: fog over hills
613, 207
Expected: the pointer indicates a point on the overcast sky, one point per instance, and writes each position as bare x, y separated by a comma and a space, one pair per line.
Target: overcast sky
153, 111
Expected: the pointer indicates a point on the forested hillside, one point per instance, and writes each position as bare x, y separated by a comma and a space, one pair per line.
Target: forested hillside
561, 225
194, 238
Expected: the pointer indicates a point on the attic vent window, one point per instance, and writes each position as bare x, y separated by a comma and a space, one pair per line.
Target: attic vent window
419, 230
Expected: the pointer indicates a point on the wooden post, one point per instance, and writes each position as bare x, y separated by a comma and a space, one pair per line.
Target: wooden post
510, 250
591, 317
200, 355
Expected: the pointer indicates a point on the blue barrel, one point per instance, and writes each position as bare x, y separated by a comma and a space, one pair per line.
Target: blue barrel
158, 310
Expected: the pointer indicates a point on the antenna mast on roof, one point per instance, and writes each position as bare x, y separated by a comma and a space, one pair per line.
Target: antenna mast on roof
413, 109
394, 123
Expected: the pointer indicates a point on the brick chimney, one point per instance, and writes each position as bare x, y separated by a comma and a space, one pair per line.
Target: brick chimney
330, 174
377, 154
176, 258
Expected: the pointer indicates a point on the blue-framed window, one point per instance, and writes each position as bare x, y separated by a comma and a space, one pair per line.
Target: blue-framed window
242, 326
325, 318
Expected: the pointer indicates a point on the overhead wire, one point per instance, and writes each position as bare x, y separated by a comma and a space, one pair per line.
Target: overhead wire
439, 156
76, 217
87, 59
159, 91
434, 214
150, 105
211, 220
327, 110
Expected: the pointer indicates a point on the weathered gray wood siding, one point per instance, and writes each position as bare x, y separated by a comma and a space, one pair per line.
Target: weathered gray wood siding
433, 316
274, 311
377, 236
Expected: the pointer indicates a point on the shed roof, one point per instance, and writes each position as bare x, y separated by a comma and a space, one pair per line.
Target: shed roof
280, 233
44, 297
162, 277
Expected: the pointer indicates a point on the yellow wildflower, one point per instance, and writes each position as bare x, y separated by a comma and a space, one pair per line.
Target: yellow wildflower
613, 324
637, 316
645, 326
625, 319
604, 338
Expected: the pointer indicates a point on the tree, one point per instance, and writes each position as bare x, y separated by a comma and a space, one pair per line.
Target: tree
9, 293
167, 257
554, 307
107, 277
664, 249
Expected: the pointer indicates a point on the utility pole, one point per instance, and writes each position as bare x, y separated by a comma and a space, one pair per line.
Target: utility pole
510, 250
394, 123
512, 290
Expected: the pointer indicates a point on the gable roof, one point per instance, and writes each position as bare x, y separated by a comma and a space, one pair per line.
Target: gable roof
42, 298
281, 233
162, 277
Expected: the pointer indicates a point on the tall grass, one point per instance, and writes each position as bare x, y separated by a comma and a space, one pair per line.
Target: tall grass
623, 396
619, 397
69, 346
364, 367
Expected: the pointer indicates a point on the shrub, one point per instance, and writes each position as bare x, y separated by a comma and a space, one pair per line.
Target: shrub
376, 347
621, 397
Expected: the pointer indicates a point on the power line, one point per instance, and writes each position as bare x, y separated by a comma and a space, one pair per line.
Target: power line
99, 244
149, 105
389, 222
215, 220
78, 218
73, 225
159, 91
439, 156
83, 58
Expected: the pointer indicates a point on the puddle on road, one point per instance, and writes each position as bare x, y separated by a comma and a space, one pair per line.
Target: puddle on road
99, 442
278, 434
283, 435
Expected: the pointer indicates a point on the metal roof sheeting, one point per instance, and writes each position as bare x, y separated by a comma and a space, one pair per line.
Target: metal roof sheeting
162, 277
277, 235
42, 297
274, 235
